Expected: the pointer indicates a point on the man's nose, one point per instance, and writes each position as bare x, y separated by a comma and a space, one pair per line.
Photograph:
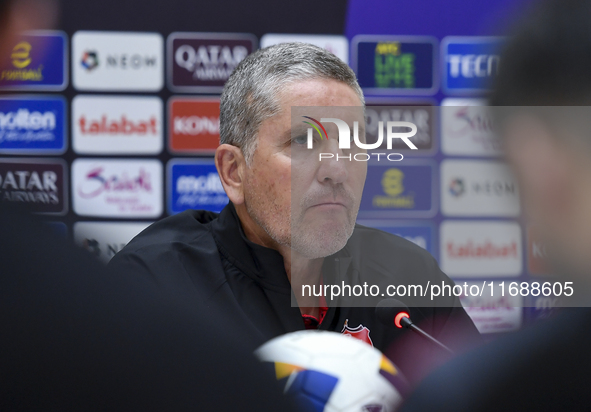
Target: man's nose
333, 163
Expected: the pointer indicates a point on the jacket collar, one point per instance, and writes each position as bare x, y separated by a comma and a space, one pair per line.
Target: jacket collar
262, 264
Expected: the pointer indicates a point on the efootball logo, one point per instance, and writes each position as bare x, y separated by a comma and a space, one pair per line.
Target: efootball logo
90, 60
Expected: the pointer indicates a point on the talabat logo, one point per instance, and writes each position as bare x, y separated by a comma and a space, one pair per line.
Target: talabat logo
345, 139
467, 128
117, 61
194, 125
194, 184
34, 125
403, 191
40, 184
117, 125
478, 188
479, 249
36, 62
470, 63
117, 188
202, 62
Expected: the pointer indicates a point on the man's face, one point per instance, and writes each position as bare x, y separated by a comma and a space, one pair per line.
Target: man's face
297, 200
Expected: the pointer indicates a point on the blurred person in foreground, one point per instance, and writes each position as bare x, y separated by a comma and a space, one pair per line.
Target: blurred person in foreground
543, 111
75, 337
291, 218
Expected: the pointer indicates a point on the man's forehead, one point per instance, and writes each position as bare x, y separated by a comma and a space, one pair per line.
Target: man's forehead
318, 92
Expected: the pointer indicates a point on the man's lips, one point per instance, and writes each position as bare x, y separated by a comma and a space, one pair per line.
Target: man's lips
329, 204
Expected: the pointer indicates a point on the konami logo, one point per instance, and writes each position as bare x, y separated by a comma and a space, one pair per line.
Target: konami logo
117, 125
194, 125
477, 249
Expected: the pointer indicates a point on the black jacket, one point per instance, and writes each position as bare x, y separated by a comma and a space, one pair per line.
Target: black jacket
200, 255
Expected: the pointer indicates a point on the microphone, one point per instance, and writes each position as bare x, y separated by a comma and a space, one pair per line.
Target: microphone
393, 311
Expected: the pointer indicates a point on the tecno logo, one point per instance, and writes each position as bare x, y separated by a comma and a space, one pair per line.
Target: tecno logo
194, 125
118, 61
344, 138
117, 125
471, 65
475, 248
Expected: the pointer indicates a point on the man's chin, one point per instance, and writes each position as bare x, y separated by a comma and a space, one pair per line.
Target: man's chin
321, 241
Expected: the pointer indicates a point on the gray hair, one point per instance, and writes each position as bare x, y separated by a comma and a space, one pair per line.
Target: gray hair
250, 95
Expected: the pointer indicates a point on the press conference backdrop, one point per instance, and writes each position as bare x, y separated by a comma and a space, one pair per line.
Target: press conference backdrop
110, 123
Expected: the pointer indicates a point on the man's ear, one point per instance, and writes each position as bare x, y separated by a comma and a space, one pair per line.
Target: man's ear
231, 166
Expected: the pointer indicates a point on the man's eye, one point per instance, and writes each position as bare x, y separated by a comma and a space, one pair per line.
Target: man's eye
300, 140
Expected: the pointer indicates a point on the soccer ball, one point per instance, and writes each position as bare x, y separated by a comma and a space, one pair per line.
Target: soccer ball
330, 372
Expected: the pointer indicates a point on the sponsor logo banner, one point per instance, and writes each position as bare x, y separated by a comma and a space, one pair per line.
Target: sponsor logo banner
117, 125
469, 63
104, 239
117, 61
480, 249
39, 184
117, 187
420, 114
398, 191
478, 188
395, 65
202, 62
194, 184
33, 124
337, 45
420, 234
494, 314
37, 61
537, 256
194, 125
467, 128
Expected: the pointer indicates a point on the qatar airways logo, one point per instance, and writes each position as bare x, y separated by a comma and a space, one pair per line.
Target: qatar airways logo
97, 183
393, 131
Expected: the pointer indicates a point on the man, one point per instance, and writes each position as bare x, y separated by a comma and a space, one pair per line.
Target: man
291, 218
543, 94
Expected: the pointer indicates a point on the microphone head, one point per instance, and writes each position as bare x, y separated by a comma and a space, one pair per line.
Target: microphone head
390, 311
